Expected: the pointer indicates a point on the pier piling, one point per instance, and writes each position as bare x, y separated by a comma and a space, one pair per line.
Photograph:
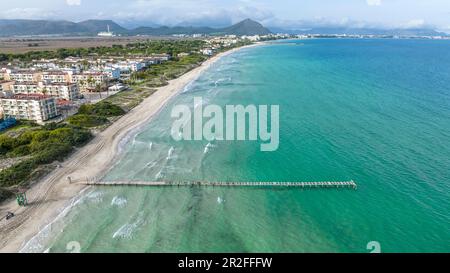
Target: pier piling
326, 185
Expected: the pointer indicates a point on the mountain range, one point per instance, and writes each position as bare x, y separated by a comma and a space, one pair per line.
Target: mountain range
363, 31
92, 27
9, 28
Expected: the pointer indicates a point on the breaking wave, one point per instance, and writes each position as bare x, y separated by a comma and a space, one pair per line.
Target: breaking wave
126, 231
119, 201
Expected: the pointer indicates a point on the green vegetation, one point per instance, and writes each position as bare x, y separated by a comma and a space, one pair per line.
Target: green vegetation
87, 121
103, 108
158, 75
172, 47
5, 194
20, 126
43, 145
129, 99
94, 115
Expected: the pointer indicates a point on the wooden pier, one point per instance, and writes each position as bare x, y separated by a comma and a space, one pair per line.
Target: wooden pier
307, 185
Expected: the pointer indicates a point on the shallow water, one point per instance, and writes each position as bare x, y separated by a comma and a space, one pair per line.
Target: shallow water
375, 111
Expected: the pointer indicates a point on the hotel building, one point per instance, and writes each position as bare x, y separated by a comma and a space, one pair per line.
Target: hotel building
38, 108
89, 81
56, 76
67, 91
24, 76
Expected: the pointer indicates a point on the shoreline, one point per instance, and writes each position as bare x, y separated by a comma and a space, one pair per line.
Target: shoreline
50, 196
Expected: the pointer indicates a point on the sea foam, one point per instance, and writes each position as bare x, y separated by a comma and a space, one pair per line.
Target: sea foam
126, 231
119, 201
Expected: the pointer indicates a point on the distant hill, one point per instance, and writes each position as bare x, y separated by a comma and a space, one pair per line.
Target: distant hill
10, 28
96, 26
362, 31
92, 27
38, 27
247, 27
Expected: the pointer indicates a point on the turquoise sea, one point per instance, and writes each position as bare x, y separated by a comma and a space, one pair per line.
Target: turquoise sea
375, 111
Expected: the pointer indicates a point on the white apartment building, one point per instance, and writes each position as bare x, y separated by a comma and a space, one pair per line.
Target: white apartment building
24, 76
113, 73
56, 76
25, 88
207, 51
130, 66
162, 57
67, 91
89, 81
45, 64
38, 108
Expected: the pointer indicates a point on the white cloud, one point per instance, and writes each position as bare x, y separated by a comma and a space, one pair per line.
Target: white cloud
28, 13
373, 2
162, 14
73, 2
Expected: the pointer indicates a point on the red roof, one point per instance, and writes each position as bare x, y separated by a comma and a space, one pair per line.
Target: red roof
61, 102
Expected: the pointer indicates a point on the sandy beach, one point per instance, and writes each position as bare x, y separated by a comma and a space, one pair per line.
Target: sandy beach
53, 193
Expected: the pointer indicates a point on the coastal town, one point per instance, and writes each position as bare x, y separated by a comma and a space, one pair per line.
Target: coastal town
40, 90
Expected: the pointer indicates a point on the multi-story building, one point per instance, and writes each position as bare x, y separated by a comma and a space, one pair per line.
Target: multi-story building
45, 64
25, 88
89, 82
207, 51
38, 108
130, 66
56, 76
113, 73
67, 91
162, 57
5, 85
24, 76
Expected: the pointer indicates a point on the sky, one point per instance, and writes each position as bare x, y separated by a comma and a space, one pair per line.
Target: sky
292, 14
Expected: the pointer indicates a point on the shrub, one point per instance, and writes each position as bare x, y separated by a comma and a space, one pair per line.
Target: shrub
79, 137
6, 144
25, 138
45, 147
52, 153
103, 109
88, 121
20, 151
5, 194
39, 136
17, 174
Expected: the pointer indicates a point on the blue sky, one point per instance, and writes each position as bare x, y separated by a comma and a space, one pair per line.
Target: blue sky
282, 13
